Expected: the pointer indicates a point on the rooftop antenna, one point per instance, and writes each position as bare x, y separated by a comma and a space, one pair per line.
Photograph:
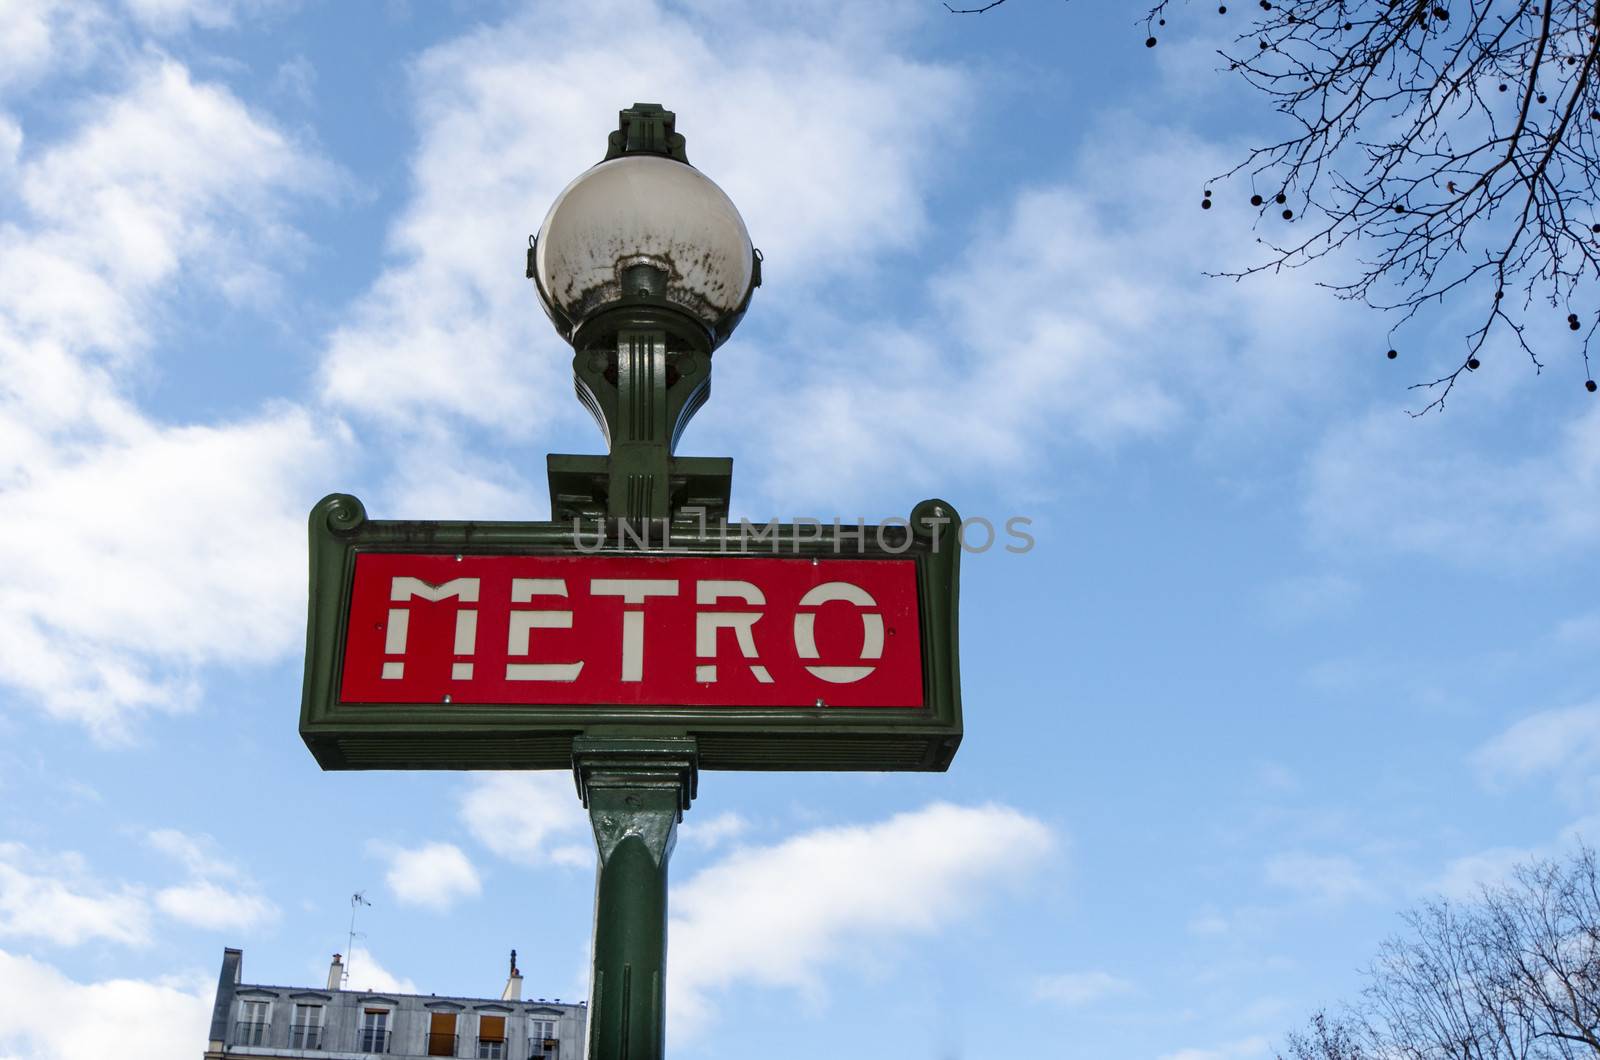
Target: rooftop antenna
356, 900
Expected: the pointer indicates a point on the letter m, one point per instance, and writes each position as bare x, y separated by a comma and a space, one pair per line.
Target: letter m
399, 625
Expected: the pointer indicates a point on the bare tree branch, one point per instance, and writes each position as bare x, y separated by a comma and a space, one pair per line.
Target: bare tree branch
1436, 151
1514, 975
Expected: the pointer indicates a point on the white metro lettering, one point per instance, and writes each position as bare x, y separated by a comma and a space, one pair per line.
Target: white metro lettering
399, 622
523, 590
805, 631
563, 631
633, 591
706, 624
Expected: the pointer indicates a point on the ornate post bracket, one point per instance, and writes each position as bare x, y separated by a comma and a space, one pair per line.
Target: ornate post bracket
642, 393
634, 786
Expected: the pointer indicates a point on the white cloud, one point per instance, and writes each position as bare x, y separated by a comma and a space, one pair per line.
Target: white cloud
1543, 742
10, 147
525, 817
1564, 744
172, 16
1434, 486
1079, 988
46, 1016
296, 80
182, 559
1465, 877
38, 37
167, 173
1331, 879
573, 855
434, 875
204, 904
440, 473
366, 973
1581, 631
192, 526
780, 915
1105, 334
55, 899
196, 853
451, 328
712, 831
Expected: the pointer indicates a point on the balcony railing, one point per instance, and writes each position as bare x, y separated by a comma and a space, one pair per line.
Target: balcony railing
543, 1049
249, 1033
372, 1040
441, 1044
305, 1036
491, 1049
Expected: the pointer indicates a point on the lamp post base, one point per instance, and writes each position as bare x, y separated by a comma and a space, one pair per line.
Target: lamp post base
636, 790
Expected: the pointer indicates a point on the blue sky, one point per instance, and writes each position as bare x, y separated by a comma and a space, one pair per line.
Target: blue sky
1283, 662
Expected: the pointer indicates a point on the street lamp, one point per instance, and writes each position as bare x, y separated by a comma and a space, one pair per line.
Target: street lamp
499, 645
644, 265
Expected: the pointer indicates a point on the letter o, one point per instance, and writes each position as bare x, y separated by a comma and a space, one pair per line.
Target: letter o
805, 631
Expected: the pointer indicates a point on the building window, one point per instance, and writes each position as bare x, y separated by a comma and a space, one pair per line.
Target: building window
306, 1030
442, 1034
491, 1038
374, 1034
542, 1038
253, 1019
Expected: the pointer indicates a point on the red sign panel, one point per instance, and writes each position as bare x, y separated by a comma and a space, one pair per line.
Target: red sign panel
644, 630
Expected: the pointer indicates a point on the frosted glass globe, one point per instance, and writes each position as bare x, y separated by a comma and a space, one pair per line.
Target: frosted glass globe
644, 210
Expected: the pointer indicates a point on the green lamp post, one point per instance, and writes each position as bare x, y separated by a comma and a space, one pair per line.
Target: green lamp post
645, 267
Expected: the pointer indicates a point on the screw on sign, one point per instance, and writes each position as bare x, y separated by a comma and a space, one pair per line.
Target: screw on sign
633, 630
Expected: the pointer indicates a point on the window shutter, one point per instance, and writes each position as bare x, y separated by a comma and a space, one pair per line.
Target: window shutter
492, 1028
442, 1034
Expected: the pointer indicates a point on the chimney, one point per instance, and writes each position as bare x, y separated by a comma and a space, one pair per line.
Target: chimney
336, 973
232, 971
513, 990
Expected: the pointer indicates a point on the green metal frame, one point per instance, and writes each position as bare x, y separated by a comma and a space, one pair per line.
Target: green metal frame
467, 735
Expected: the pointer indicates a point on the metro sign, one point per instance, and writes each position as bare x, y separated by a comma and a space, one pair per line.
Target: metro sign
491, 645
689, 630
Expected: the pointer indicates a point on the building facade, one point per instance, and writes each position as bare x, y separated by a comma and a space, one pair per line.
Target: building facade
339, 1024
